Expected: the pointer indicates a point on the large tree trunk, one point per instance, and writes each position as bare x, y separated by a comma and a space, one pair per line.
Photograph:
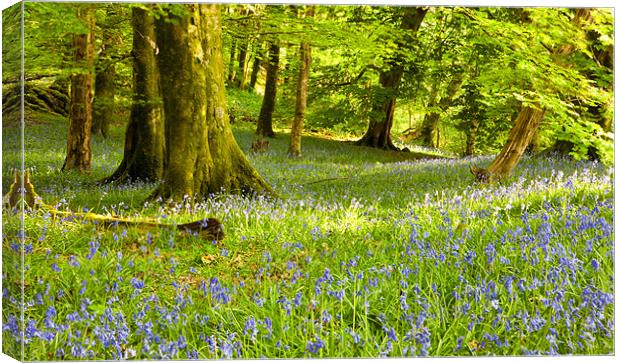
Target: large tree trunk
80, 121
430, 125
382, 113
143, 157
305, 59
202, 156
264, 125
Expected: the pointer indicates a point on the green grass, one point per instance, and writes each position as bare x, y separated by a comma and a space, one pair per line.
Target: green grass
365, 253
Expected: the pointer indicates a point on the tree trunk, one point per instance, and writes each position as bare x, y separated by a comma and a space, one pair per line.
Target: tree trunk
105, 87
103, 104
382, 112
231, 63
205, 158
430, 125
264, 124
143, 157
241, 81
80, 121
258, 59
519, 138
301, 100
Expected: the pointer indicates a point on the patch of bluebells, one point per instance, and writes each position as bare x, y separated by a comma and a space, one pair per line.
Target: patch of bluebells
538, 275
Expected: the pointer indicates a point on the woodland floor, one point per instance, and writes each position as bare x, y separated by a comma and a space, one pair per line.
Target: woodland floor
365, 253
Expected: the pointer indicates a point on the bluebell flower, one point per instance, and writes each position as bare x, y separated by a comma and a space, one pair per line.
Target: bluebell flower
315, 346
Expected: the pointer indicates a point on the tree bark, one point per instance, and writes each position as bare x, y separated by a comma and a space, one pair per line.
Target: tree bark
305, 59
79, 152
264, 125
103, 104
231, 63
519, 138
105, 87
143, 157
241, 80
382, 112
430, 125
205, 158
258, 59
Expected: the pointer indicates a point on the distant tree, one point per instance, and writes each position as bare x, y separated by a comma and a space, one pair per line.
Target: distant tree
384, 104
143, 156
203, 156
80, 122
302, 94
430, 124
105, 69
264, 125
256, 64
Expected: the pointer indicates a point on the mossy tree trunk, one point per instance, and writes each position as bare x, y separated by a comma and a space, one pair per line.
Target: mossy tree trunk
143, 157
264, 125
79, 152
382, 113
202, 156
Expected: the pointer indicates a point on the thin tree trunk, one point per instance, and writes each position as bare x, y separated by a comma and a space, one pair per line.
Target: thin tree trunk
205, 158
241, 81
258, 59
264, 124
103, 103
143, 157
80, 122
301, 100
105, 87
382, 113
231, 63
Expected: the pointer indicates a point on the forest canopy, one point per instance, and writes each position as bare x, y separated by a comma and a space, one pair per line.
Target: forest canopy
459, 79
